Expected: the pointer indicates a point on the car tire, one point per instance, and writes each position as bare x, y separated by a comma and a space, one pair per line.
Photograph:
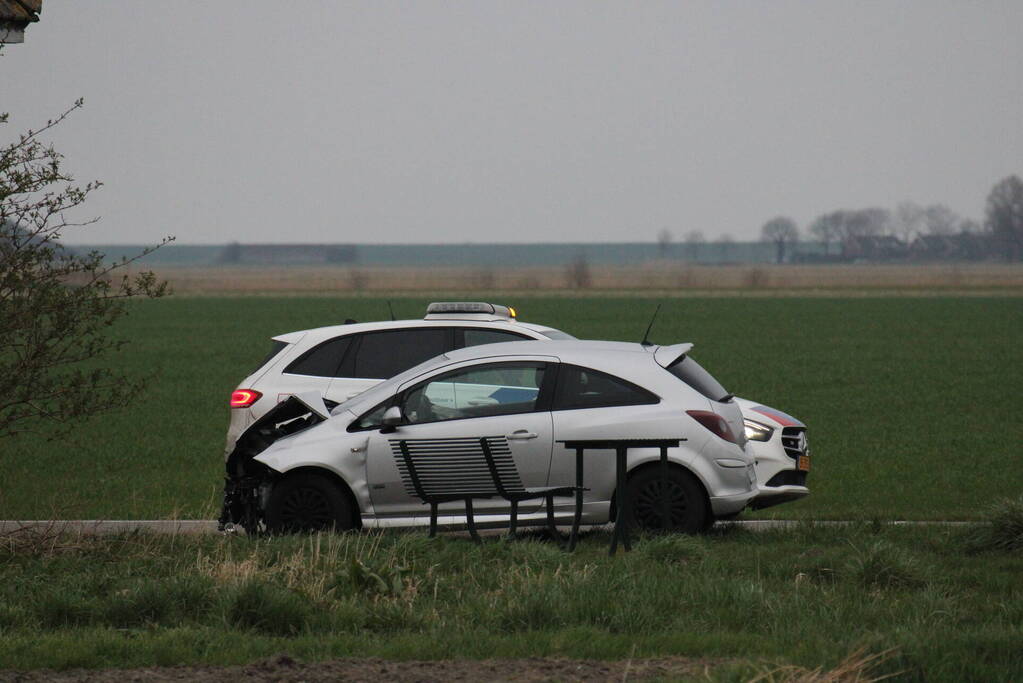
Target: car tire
687, 502
308, 502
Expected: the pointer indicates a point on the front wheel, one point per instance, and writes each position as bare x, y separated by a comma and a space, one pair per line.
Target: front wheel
687, 503
308, 502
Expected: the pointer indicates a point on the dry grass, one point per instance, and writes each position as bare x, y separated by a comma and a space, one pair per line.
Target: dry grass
40, 541
858, 667
308, 568
659, 277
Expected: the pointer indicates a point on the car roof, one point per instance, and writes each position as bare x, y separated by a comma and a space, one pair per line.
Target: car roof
318, 334
617, 358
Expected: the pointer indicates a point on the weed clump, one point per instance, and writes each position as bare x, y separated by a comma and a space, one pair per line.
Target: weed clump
147, 603
158, 601
1002, 529
268, 608
882, 566
64, 609
674, 549
384, 579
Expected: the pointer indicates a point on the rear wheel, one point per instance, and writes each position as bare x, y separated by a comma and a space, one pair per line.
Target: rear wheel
308, 502
687, 503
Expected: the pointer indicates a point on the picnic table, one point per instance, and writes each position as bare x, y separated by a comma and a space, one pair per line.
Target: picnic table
621, 448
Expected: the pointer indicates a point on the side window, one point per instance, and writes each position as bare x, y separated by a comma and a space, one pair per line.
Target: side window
374, 419
585, 388
275, 348
479, 391
476, 336
381, 355
323, 360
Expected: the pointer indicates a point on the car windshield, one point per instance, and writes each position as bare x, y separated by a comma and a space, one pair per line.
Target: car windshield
693, 374
375, 394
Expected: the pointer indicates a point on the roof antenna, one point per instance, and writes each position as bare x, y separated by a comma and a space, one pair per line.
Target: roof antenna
390, 309
646, 336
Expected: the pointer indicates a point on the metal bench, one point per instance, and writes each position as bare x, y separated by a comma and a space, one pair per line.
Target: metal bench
466, 469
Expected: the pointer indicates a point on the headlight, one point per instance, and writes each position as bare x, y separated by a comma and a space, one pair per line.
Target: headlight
756, 431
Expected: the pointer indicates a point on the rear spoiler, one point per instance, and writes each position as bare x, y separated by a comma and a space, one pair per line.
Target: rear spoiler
666, 356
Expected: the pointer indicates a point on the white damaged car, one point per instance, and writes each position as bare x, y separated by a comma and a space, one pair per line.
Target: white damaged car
341, 361
300, 467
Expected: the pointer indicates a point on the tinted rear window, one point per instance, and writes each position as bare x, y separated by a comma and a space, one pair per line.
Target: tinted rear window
275, 348
693, 374
585, 388
322, 361
384, 354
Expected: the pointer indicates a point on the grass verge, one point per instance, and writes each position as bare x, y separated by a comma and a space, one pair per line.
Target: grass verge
869, 598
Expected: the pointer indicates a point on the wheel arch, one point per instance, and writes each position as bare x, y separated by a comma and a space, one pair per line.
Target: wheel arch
672, 464
333, 477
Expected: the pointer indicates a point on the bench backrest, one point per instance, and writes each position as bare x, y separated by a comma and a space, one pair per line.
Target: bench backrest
445, 467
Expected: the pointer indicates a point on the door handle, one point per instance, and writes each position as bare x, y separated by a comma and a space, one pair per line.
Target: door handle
522, 435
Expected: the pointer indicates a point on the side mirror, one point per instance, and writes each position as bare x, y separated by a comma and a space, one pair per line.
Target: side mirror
391, 419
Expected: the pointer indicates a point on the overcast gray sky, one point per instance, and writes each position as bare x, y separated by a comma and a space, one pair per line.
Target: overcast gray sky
391, 122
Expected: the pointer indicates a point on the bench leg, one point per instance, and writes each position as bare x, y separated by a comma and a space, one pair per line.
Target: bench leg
514, 519
472, 521
433, 520
550, 519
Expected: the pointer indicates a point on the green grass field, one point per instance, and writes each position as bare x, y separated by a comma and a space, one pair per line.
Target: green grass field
909, 401
942, 608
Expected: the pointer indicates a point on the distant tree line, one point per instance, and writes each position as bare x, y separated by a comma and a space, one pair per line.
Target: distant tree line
936, 230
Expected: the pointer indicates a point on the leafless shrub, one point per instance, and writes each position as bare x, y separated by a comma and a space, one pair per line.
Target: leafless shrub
358, 279
578, 274
756, 278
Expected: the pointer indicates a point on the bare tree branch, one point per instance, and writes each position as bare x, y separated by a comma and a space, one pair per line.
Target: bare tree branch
57, 305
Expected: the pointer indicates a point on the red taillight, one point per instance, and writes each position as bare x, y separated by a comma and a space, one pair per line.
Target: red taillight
714, 423
243, 398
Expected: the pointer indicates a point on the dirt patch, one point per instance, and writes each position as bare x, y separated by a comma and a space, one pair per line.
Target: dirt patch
284, 668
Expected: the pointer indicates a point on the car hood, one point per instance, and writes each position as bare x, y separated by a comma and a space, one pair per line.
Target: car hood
772, 417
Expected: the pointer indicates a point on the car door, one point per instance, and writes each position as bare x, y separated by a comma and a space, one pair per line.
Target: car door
504, 401
589, 404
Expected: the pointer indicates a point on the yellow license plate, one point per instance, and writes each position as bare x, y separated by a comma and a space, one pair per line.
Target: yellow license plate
804, 463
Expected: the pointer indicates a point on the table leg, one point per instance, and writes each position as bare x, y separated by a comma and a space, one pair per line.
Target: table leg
623, 472
665, 518
578, 499
622, 517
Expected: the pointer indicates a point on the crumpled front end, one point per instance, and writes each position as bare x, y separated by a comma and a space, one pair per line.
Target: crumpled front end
247, 482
